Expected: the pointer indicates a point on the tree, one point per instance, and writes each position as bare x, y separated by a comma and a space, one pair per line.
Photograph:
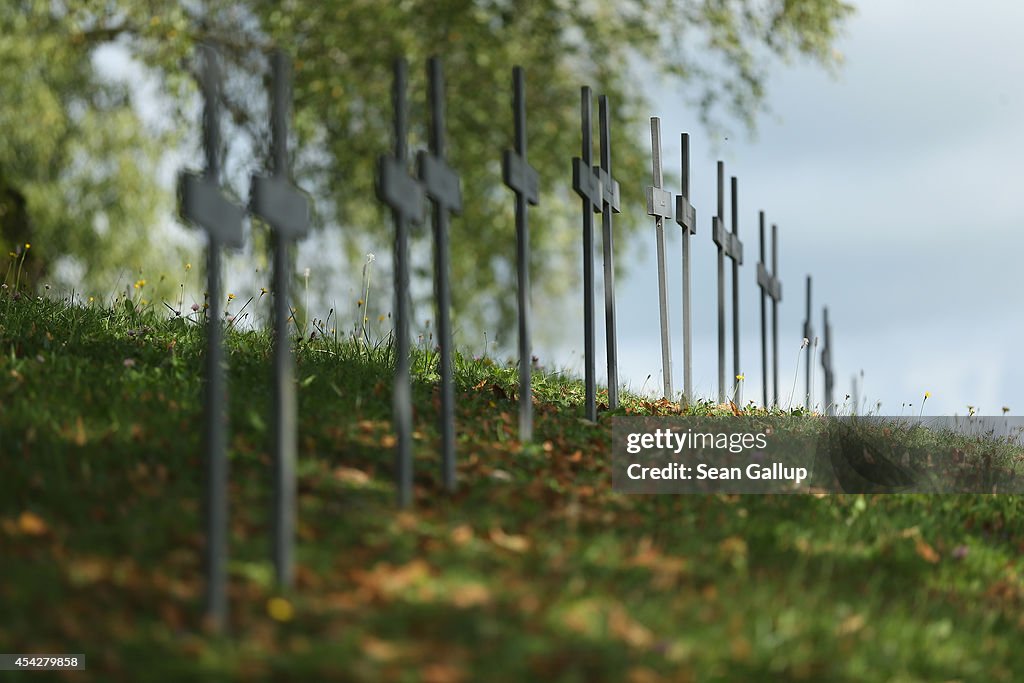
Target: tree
77, 168
342, 51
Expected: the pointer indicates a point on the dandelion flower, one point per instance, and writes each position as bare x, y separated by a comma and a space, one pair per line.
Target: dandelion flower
280, 609
27, 245
231, 297
188, 266
740, 377
263, 290
927, 394
139, 284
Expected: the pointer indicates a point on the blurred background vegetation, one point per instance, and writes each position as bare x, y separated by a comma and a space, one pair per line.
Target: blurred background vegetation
83, 175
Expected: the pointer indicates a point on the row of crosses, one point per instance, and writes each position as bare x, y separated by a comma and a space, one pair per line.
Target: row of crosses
275, 200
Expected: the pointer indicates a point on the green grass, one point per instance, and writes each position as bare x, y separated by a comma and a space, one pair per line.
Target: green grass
534, 570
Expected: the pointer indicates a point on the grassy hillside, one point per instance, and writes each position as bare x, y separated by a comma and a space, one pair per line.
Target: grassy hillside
534, 570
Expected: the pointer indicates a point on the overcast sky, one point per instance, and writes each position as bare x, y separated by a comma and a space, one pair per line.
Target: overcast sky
896, 186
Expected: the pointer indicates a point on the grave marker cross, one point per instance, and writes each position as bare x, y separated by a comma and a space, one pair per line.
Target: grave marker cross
524, 181
730, 246
404, 194
609, 206
735, 252
771, 287
826, 365
202, 203
441, 185
659, 205
274, 199
686, 217
588, 186
809, 336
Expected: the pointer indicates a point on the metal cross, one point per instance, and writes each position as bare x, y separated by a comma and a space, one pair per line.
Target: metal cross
809, 336
686, 217
826, 366
736, 254
275, 200
730, 246
202, 203
524, 181
609, 205
404, 194
770, 286
588, 186
659, 205
441, 185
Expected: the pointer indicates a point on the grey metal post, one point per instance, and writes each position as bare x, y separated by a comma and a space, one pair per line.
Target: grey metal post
659, 205
776, 298
523, 179
809, 336
686, 217
588, 186
397, 188
764, 316
609, 205
826, 365
202, 203
274, 199
441, 185
737, 259
770, 286
717, 234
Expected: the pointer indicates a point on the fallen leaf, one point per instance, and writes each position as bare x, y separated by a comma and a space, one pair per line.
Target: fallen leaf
380, 650
31, 524
851, 625
926, 552
470, 595
516, 544
627, 629
350, 475
443, 673
462, 534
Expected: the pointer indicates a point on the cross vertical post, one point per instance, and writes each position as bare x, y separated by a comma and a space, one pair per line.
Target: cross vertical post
275, 200
809, 336
525, 183
764, 315
718, 234
588, 186
609, 205
826, 365
686, 217
776, 298
736, 254
659, 205
202, 203
397, 188
770, 286
441, 185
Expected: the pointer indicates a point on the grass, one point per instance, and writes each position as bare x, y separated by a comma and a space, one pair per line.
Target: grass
534, 570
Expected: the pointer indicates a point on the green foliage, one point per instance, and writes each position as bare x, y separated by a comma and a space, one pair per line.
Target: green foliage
77, 167
714, 50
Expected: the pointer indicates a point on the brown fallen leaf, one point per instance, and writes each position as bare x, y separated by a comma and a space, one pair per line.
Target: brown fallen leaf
350, 475
926, 552
31, 524
516, 544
